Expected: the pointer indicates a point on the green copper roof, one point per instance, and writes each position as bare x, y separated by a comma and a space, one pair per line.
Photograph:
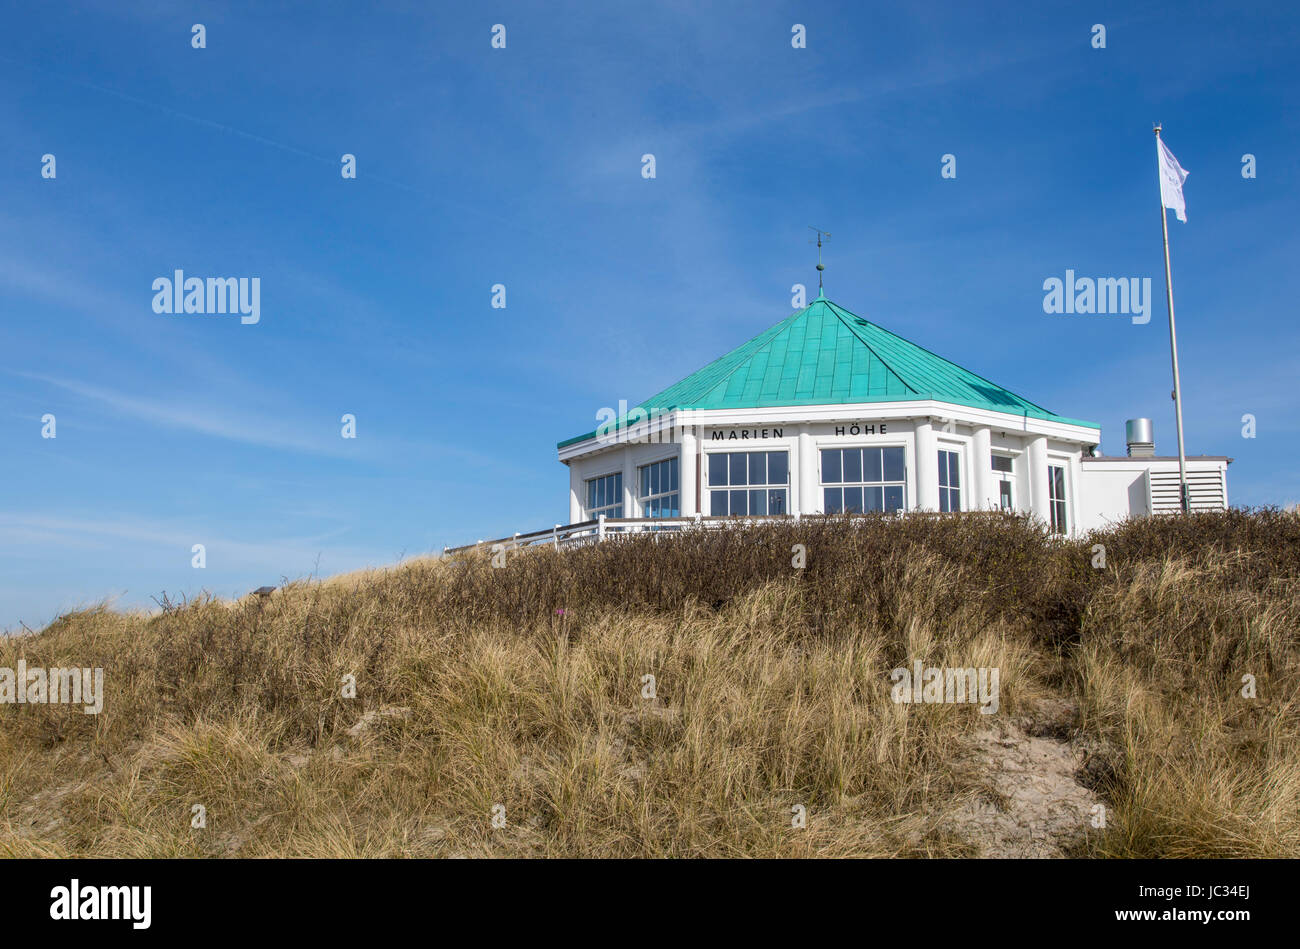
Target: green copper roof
825, 355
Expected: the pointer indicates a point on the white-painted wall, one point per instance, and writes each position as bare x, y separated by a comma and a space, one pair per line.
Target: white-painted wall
1114, 488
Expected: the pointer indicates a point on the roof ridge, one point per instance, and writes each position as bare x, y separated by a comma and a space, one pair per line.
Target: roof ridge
840, 312
946, 360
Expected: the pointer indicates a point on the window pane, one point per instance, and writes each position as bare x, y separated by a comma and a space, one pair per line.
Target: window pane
758, 467
1058, 482
893, 463
776, 501
943, 470
645, 481
834, 500
871, 464
758, 502
717, 470
954, 475
894, 497
776, 467
739, 501
852, 466
1002, 463
853, 500
717, 503
674, 506
873, 499
672, 474
737, 465
1004, 495
831, 466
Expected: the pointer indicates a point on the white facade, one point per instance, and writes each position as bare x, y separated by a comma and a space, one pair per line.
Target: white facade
948, 455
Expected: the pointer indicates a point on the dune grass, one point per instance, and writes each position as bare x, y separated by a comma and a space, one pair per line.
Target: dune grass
521, 693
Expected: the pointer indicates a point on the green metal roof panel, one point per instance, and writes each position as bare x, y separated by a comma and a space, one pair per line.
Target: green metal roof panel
825, 355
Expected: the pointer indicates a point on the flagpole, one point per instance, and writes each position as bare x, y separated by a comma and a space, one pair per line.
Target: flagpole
1184, 498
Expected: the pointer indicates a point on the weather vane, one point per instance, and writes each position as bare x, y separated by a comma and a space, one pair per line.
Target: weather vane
821, 235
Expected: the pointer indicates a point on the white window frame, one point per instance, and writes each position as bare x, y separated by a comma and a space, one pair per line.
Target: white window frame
641, 504
1063, 500
959, 452
594, 512
1004, 477
822, 485
786, 450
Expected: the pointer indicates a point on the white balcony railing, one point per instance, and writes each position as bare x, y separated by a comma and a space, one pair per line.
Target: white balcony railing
602, 528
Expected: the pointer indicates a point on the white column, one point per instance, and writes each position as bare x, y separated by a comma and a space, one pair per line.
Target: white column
686, 472
629, 483
927, 467
1038, 496
807, 479
575, 494
982, 483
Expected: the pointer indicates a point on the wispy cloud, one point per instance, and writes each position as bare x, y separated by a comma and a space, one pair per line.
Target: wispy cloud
204, 420
289, 556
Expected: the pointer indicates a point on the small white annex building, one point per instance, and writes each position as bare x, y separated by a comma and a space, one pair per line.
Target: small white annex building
826, 412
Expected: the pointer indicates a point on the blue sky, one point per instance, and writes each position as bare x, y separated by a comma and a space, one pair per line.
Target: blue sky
522, 166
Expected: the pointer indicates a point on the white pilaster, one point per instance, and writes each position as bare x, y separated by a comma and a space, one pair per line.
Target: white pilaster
807, 478
686, 471
927, 467
629, 483
982, 483
575, 495
1038, 496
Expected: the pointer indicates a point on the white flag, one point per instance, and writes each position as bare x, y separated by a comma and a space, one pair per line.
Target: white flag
1172, 177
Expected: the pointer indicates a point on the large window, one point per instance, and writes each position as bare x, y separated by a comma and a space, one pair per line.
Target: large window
1056, 497
659, 495
949, 481
747, 482
863, 479
605, 496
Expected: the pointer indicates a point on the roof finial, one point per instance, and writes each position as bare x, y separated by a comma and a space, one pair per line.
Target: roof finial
820, 235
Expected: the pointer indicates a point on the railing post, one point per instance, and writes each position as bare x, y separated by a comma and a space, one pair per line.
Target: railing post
555, 536
600, 529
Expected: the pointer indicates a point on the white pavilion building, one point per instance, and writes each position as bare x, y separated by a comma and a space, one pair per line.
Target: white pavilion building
826, 412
